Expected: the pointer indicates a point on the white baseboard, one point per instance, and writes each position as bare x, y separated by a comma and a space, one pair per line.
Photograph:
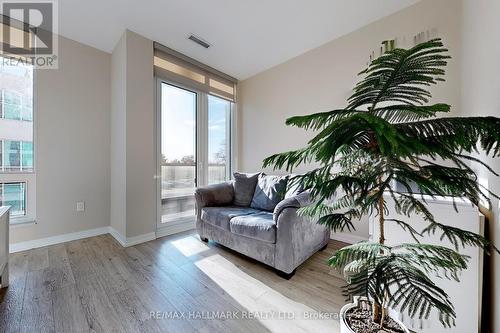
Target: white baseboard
347, 237
130, 241
33, 244
171, 229
124, 241
140, 239
118, 236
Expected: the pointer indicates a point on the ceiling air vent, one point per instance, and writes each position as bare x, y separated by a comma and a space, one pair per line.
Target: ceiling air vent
199, 41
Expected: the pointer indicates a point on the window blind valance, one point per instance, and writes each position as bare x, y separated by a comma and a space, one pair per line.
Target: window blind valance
175, 66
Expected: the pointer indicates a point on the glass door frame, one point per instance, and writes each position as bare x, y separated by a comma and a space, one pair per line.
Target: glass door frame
201, 146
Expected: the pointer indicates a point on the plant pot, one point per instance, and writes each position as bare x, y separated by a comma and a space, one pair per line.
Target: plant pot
344, 327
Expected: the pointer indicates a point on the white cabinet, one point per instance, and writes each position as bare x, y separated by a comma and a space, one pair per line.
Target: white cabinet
466, 294
4, 247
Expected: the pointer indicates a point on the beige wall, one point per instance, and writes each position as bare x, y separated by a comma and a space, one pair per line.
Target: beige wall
95, 114
141, 161
72, 144
322, 79
79, 140
118, 137
481, 97
133, 193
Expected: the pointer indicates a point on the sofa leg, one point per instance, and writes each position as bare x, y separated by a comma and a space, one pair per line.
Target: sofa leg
203, 239
286, 276
324, 248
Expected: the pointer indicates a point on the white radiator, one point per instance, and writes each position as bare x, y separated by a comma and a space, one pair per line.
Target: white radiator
4, 246
466, 294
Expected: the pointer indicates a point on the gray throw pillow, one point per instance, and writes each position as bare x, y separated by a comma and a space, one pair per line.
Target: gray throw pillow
270, 190
244, 188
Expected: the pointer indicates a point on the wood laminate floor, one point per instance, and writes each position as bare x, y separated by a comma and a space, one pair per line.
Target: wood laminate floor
173, 284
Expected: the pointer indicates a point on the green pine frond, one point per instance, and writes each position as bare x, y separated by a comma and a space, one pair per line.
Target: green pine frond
395, 76
407, 227
459, 158
459, 237
317, 209
360, 251
319, 120
389, 134
457, 134
407, 113
415, 292
408, 205
291, 159
397, 280
338, 222
434, 258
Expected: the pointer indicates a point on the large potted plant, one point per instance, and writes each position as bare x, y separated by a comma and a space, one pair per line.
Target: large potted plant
389, 133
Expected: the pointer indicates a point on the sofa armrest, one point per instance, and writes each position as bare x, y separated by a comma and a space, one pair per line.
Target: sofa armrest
209, 196
297, 201
297, 237
214, 195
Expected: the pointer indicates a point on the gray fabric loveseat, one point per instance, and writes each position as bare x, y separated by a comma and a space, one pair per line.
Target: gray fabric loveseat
256, 215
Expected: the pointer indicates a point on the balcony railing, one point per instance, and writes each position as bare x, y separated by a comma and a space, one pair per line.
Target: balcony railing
177, 187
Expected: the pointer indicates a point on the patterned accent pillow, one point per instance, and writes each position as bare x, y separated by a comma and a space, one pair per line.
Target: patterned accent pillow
270, 190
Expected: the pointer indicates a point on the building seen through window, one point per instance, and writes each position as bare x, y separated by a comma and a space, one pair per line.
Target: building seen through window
16, 135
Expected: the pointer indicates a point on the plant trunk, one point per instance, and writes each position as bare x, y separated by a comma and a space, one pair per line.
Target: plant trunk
378, 311
381, 220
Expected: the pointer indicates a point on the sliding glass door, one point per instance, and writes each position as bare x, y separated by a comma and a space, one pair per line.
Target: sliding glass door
194, 141
178, 153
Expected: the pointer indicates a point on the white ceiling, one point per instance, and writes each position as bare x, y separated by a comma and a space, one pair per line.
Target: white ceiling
247, 36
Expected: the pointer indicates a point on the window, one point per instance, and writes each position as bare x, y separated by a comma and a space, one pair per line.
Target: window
27, 156
14, 195
195, 116
12, 155
17, 157
219, 136
194, 144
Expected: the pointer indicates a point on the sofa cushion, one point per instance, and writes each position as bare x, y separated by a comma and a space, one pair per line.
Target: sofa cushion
269, 191
258, 226
244, 188
220, 216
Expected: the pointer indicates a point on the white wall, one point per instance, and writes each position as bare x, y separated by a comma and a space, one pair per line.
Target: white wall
481, 97
322, 79
72, 143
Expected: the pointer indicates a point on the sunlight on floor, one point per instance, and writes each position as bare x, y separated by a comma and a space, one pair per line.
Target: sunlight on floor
275, 311
190, 246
